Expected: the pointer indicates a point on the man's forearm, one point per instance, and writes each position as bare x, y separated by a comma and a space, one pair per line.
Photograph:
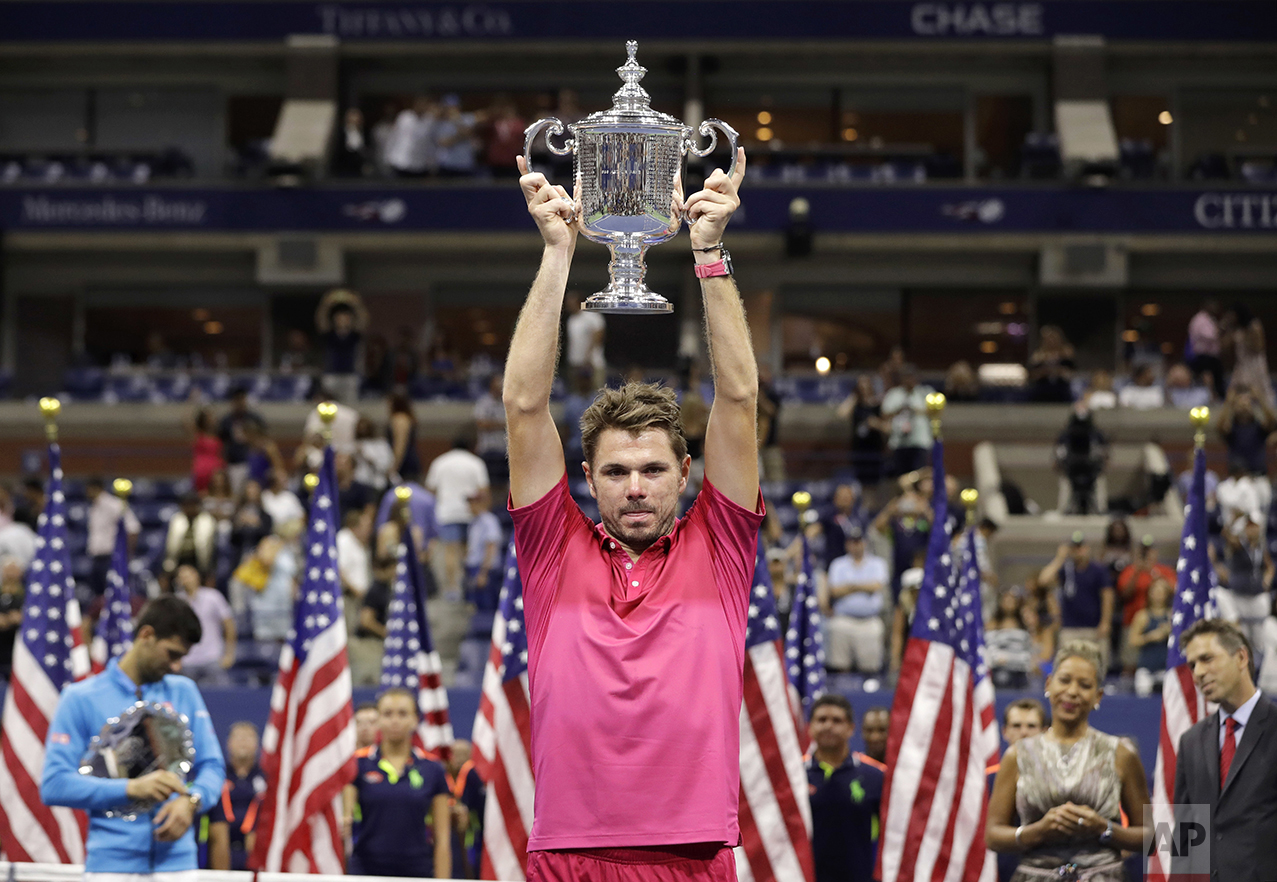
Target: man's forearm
534, 348
731, 351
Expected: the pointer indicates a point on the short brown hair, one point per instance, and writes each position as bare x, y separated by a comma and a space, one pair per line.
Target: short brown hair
1030, 704
835, 700
1231, 637
633, 408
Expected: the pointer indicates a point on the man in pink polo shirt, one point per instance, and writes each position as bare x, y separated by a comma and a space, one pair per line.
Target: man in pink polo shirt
636, 626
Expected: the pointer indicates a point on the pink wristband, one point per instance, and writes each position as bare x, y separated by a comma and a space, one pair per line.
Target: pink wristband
709, 270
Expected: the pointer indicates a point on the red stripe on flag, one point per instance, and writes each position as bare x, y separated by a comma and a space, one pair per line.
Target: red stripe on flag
769, 747
964, 751
28, 789
921, 809
906, 692
760, 864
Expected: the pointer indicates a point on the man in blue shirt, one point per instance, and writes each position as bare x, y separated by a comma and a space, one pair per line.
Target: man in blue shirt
161, 841
845, 795
1086, 597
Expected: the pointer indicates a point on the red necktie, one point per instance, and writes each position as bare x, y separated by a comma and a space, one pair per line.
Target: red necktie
1228, 750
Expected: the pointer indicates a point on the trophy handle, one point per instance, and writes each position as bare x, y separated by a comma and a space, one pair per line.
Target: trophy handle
707, 131
555, 127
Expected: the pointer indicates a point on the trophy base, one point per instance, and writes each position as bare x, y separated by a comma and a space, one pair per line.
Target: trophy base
641, 302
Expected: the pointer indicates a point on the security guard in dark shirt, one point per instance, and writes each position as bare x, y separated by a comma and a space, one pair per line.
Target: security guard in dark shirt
846, 790
233, 818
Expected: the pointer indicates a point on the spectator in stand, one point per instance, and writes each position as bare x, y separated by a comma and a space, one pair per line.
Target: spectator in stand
272, 604
1204, 347
1086, 596
844, 514
580, 396
1246, 421
1250, 357
404, 361
352, 157
1051, 367
219, 500
1242, 495
1151, 628
367, 725
489, 418
421, 511
485, 553
12, 594
1246, 578
868, 431
250, 524
1133, 585
1099, 393
376, 604
231, 431
192, 537
297, 357
411, 149
106, 510
857, 589
376, 366
232, 819
352, 495
1181, 393
382, 130
1116, 552
17, 539
902, 615
453, 478
214, 654
906, 407
504, 137
961, 383
875, 725
889, 371
585, 333
906, 521
344, 427
1080, 454
1009, 641
341, 320
1142, 393
354, 566
281, 503
455, 141
28, 505
374, 457
206, 450
846, 793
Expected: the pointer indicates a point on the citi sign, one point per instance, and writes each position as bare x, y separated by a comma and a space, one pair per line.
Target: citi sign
1236, 211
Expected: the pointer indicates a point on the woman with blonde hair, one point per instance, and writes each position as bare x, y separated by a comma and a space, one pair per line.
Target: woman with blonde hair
1067, 787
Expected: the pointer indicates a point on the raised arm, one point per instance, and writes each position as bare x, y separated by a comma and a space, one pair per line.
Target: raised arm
731, 438
536, 452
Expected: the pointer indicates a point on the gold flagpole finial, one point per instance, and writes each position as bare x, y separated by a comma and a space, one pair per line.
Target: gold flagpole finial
50, 408
311, 481
802, 501
403, 492
935, 407
1200, 417
122, 487
970, 498
327, 411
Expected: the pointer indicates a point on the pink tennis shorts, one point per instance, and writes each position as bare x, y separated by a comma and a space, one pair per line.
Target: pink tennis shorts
700, 862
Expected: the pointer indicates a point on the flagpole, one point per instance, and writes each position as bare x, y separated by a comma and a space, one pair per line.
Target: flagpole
971, 498
935, 408
1200, 418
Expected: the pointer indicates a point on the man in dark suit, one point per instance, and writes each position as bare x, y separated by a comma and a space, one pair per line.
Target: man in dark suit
1229, 759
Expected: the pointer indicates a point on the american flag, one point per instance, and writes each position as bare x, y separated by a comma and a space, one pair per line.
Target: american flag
114, 634
48, 654
308, 749
1182, 704
410, 660
502, 737
943, 729
775, 814
804, 642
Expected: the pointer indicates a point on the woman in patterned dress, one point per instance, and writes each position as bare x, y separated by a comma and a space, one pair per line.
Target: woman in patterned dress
1059, 796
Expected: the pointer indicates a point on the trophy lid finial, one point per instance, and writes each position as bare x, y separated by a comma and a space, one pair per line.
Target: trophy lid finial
631, 96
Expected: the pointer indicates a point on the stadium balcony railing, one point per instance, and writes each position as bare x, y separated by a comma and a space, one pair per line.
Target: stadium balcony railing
93, 167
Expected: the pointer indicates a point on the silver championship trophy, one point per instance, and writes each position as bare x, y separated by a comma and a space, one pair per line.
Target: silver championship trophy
145, 738
627, 161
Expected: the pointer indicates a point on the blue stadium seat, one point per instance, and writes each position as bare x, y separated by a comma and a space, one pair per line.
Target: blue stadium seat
127, 388
84, 383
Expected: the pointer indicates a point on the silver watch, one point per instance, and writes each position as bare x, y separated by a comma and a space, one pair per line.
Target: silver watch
1107, 836
196, 800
